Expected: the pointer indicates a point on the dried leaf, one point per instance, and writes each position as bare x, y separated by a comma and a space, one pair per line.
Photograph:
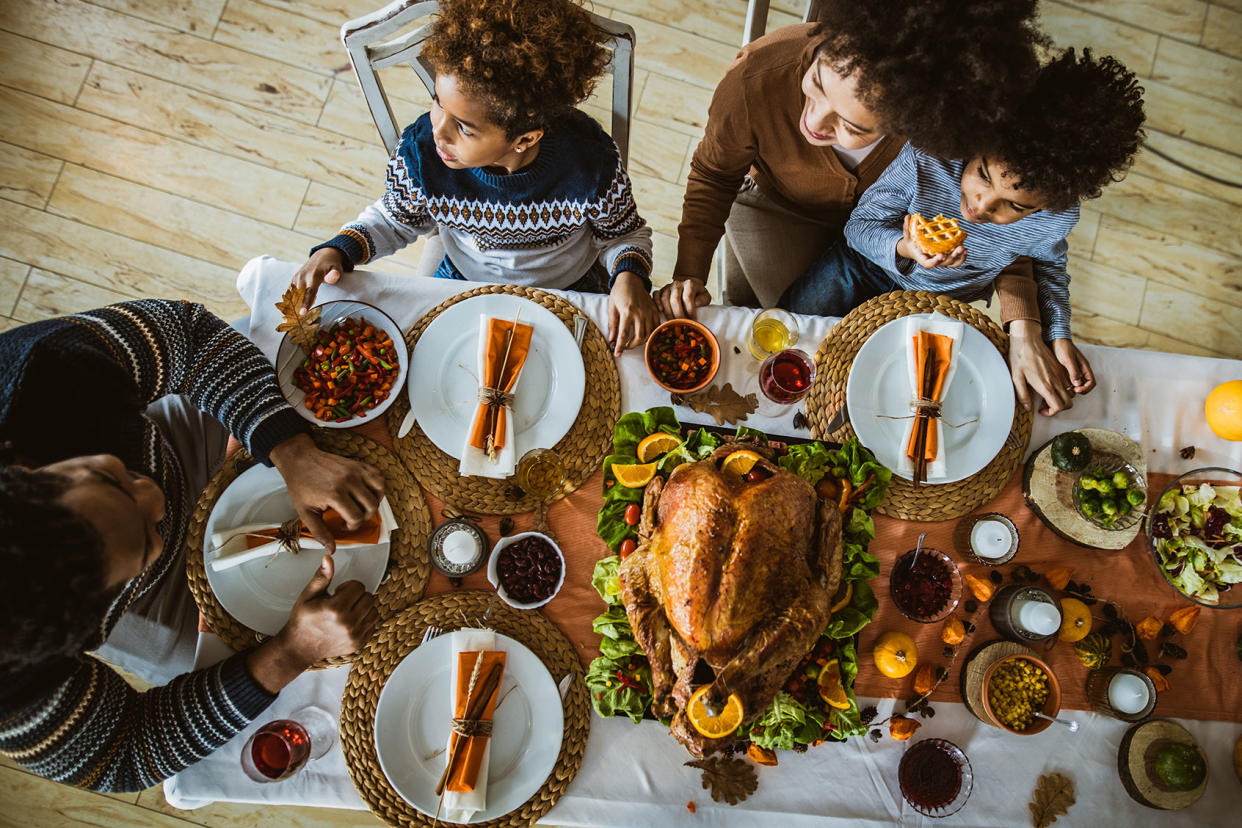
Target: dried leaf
301, 327
1187, 453
1054, 795
799, 420
724, 405
506, 526
729, 779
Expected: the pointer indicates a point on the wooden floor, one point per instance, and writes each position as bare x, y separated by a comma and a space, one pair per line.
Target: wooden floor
151, 147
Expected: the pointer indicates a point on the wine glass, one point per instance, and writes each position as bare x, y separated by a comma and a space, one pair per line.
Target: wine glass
541, 474
771, 331
281, 748
786, 377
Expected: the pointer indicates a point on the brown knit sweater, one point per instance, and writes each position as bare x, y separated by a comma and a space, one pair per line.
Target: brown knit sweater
752, 127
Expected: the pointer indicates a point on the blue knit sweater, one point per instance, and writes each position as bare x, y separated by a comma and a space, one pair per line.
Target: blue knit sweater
543, 225
78, 385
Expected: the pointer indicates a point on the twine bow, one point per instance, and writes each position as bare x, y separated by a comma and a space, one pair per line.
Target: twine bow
288, 536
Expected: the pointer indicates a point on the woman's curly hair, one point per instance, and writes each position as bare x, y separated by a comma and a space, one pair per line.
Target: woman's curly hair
53, 596
531, 61
1076, 131
939, 72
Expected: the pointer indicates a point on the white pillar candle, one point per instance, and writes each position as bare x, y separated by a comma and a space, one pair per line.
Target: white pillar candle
460, 547
990, 539
1128, 693
1039, 618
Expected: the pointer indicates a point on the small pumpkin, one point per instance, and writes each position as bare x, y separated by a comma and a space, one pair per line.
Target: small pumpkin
1094, 651
1184, 619
901, 728
895, 654
1075, 620
1071, 451
1149, 627
1180, 766
761, 755
1158, 679
981, 588
1223, 410
924, 679
953, 632
1058, 577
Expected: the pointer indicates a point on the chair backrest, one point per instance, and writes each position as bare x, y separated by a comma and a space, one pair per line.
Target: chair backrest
379, 40
757, 18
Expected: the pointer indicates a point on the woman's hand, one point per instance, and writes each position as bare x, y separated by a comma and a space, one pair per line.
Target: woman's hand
680, 298
1054, 374
318, 480
908, 248
324, 266
632, 315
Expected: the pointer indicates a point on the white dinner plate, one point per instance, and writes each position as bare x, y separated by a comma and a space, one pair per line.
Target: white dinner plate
260, 593
443, 381
981, 390
414, 712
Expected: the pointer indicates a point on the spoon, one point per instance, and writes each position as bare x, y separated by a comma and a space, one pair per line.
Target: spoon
1072, 725
918, 547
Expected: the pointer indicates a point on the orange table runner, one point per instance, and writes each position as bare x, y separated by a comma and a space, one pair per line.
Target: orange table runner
1203, 686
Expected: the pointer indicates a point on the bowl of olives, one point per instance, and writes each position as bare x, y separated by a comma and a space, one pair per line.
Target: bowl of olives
1110, 493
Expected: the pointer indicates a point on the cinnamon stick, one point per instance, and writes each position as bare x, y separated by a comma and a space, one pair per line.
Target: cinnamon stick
923, 423
474, 710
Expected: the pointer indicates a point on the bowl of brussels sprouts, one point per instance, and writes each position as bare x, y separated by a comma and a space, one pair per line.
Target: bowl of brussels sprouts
1110, 493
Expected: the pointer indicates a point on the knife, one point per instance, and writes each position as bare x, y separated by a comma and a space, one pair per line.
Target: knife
406, 424
839, 419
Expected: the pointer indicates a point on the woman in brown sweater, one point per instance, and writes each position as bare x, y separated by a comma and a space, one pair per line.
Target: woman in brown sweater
808, 117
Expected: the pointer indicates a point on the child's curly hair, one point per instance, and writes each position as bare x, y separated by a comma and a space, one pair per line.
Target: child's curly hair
936, 71
1076, 131
531, 61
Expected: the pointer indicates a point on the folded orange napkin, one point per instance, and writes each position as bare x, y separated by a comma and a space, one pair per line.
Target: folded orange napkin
502, 362
926, 343
472, 753
235, 546
368, 532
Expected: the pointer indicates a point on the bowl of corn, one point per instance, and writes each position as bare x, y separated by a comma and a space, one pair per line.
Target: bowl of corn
1017, 687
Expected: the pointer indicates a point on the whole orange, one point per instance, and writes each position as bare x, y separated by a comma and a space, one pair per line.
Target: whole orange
1224, 410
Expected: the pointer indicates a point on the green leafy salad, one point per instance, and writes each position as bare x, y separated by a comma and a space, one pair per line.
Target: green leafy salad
620, 679
1198, 535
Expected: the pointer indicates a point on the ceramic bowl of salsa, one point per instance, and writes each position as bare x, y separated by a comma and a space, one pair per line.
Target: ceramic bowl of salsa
682, 356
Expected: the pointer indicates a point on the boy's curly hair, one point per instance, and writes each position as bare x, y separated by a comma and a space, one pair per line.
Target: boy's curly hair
53, 596
939, 72
1077, 130
531, 61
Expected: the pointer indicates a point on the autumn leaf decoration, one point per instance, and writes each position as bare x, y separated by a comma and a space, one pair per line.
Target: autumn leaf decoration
724, 405
1054, 795
302, 328
729, 779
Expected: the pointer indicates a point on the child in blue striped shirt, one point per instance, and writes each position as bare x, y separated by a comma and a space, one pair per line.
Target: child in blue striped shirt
1076, 130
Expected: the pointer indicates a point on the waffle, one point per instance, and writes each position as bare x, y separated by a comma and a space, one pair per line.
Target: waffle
938, 235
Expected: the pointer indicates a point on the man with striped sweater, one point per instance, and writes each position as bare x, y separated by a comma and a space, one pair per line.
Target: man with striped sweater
114, 420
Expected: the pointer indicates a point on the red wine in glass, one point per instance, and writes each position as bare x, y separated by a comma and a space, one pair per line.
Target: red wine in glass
276, 750
786, 377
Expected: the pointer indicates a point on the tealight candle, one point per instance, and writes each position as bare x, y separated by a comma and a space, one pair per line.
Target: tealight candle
990, 539
1039, 618
460, 547
1128, 693
457, 548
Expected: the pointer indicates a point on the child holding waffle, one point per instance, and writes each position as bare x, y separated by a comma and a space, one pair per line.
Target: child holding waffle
1077, 130
523, 187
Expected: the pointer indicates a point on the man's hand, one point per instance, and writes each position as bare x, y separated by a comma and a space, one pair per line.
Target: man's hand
632, 315
908, 248
319, 626
680, 299
1054, 377
318, 481
325, 265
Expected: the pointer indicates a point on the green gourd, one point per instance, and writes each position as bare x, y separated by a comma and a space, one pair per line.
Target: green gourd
1071, 451
1095, 650
1181, 766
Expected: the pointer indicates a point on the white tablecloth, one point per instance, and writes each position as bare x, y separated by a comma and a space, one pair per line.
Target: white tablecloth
634, 774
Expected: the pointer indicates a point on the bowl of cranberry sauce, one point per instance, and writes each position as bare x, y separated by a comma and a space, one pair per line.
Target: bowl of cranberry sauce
926, 587
935, 777
527, 569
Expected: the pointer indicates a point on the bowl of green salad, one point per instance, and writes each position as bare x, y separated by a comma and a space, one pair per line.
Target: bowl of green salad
1195, 530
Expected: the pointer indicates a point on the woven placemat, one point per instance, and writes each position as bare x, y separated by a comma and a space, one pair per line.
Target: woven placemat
904, 500
409, 567
977, 666
397, 637
582, 448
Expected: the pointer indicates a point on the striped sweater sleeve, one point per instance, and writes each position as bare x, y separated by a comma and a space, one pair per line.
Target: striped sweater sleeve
93, 730
619, 231
874, 228
1052, 280
172, 347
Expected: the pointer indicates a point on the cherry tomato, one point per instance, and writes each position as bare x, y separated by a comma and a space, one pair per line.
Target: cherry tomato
627, 548
632, 514
828, 489
756, 474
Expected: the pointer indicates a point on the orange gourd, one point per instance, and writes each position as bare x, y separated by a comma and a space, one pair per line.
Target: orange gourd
1184, 619
953, 632
1075, 620
981, 588
895, 654
1223, 410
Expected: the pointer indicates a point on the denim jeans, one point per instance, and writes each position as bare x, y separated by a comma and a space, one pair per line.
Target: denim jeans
594, 281
841, 280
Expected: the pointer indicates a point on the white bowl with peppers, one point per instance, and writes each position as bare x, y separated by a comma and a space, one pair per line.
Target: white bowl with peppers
354, 371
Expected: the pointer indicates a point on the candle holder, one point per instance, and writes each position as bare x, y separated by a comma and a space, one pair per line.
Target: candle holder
458, 548
978, 537
1123, 693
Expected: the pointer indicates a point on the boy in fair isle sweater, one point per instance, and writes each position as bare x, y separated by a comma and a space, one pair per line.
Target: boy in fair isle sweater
523, 187
1074, 132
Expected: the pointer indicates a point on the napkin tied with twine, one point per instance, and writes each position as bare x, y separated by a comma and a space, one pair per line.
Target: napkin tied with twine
263, 540
941, 336
466, 791
503, 347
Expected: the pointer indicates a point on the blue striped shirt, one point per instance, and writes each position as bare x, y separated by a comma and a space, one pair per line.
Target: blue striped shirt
920, 183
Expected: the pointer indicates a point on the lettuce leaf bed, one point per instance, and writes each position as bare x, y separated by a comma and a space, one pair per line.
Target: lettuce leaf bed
620, 679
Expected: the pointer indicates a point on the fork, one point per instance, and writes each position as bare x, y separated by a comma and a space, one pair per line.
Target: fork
431, 632
1014, 440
